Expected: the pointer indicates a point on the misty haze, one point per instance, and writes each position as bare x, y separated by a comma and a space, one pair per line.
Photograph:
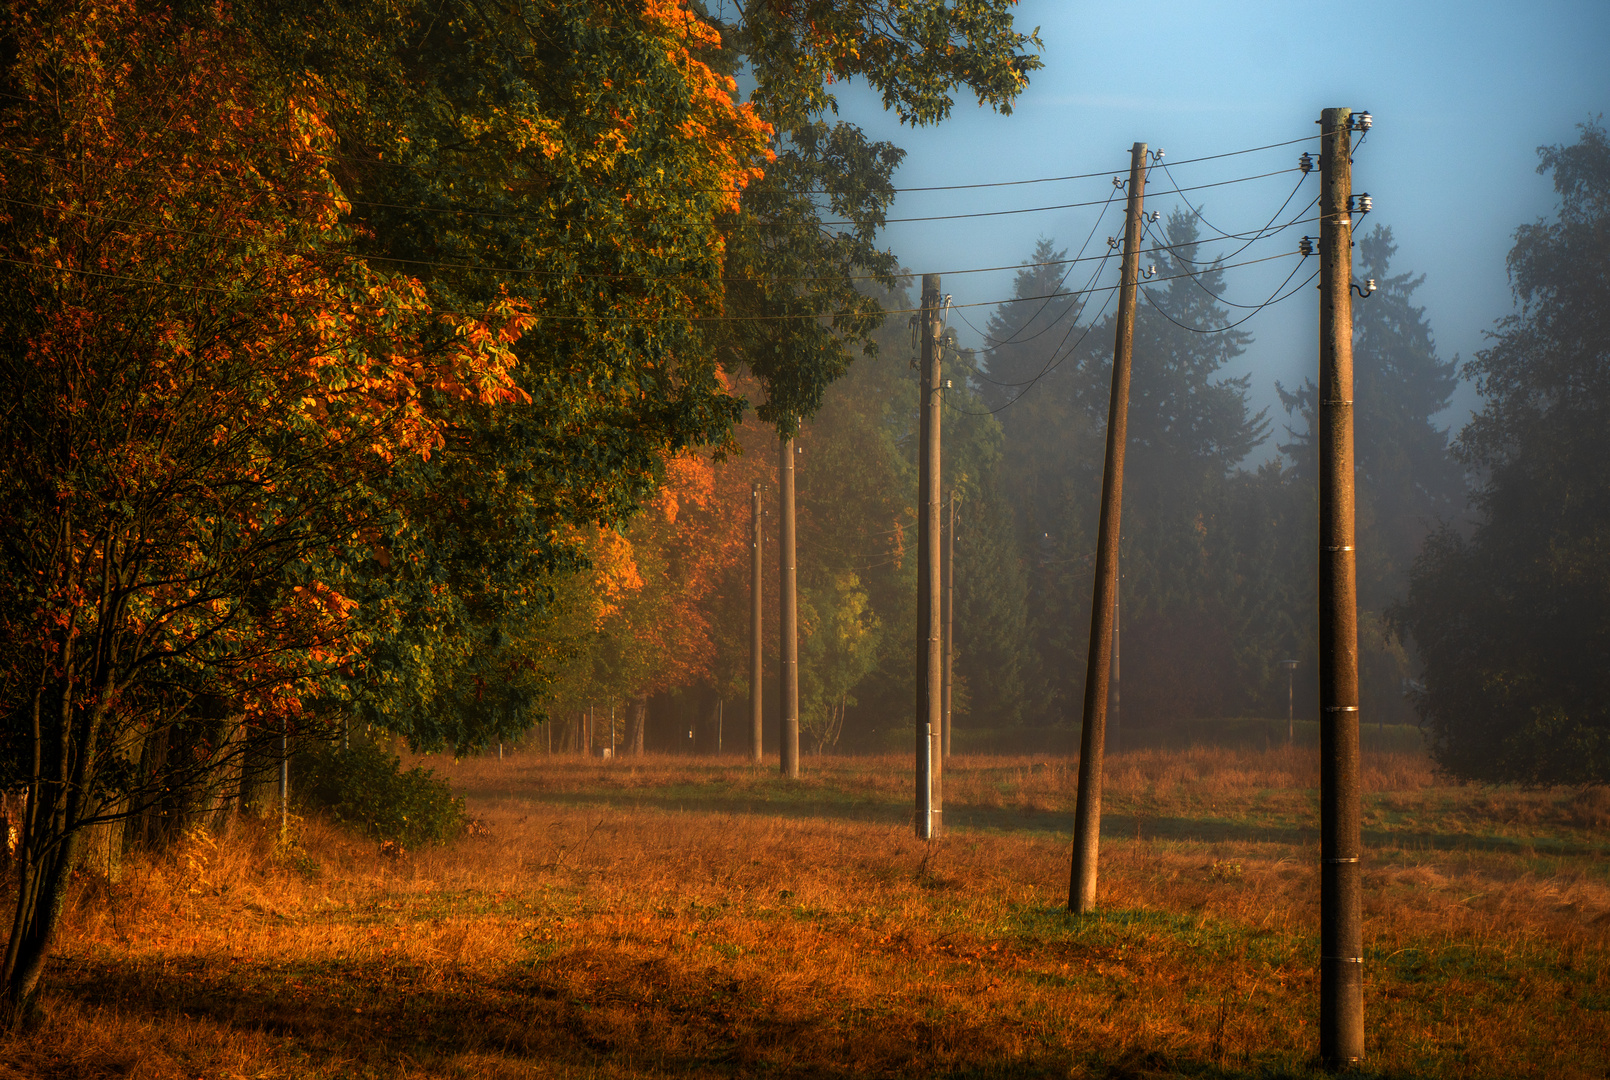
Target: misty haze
736, 538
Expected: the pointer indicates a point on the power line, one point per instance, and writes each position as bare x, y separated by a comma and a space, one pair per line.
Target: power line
1060, 206
650, 318
1274, 298
1159, 244
1050, 365
1224, 235
593, 275
1249, 150
1211, 265
1057, 361
1091, 235
479, 212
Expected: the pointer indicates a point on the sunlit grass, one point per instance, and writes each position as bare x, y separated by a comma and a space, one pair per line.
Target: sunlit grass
682, 916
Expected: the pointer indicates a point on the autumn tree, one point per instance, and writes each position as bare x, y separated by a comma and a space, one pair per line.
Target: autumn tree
649, 259
247, 473
580, 159
807, 230
203, 394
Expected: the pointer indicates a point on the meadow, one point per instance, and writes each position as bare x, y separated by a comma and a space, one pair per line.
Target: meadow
681, 916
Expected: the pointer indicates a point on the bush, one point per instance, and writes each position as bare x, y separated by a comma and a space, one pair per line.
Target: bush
364, 786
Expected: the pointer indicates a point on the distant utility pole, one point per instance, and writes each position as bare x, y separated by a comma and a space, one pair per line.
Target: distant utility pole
950, 622
788, 622
1291, 700
929, 668
1341, 931
755, 629
285, 780
1087, 815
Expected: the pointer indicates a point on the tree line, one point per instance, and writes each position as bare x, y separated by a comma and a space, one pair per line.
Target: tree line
341, 341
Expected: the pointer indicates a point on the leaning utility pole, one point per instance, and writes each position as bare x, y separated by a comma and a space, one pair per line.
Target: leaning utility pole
1087, 815
950, 632
756, 720
1341, 932
788, 622
929, 667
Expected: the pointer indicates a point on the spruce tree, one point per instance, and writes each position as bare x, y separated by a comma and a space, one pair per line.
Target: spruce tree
1512, 621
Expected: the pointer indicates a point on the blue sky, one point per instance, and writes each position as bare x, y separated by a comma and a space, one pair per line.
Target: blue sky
1462, 95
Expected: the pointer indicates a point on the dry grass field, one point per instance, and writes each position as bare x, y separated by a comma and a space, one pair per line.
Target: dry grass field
690, 917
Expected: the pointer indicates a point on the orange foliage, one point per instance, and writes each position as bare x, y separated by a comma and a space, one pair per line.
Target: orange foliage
727, 128
661, 587
209, 377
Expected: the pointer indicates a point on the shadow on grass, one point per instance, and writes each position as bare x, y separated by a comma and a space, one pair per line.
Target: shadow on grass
593, 1009
818, 805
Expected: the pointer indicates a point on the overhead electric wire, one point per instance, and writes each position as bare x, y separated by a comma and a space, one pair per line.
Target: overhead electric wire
1050, 366
1197, 211
1014, 339
1061, 206
1212, 267
1252, 238
1274, 298
585, 275
1248, 150
657, 318
728, 190
1158, 245
1076, 310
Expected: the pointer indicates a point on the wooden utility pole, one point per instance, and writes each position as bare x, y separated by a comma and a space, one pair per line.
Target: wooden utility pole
1113, 714
1291, 700
950, 622
285, 780
930, 663
1087, 815
788, 621
1341, 931
756, 719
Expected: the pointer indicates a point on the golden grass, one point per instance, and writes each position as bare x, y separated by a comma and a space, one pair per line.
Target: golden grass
688, 917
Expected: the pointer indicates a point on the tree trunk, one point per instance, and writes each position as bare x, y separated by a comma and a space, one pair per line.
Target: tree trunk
636, 720
41, 894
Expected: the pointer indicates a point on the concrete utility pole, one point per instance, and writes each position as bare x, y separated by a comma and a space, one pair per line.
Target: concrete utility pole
788, 622
950, 621
1341, 932
930, 632
1087, 815
756, 644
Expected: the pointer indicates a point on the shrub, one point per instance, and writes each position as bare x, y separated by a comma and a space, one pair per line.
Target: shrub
365, 787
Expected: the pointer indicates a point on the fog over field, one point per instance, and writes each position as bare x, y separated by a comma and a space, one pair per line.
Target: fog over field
736, 538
